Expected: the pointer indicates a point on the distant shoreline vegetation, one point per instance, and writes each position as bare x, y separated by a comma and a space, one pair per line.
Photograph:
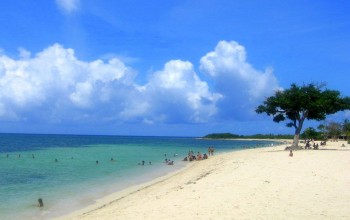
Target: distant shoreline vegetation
255, 136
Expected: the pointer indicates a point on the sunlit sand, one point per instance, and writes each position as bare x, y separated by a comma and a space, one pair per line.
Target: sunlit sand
263, 183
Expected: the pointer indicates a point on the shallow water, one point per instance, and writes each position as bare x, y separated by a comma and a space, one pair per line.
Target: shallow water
62, 169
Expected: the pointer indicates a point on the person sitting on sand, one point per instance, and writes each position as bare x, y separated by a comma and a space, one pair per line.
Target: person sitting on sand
307, 145
205, 156
171, 162
291, 153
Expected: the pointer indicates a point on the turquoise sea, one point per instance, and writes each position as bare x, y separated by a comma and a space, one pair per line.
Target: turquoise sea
63, 169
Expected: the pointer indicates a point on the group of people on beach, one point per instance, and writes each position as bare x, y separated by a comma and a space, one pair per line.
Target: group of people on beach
192, 157
309, 144
312, 142
168, 161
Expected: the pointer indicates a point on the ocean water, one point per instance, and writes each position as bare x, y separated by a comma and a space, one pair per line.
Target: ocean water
62, 169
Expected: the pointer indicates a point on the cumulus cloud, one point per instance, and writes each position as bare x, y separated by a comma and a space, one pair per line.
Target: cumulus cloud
177, 94
242, 86
68, 5
55, 80
54, 85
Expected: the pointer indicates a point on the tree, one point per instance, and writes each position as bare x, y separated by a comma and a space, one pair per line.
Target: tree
323, 129
346, 128
334, 130
310, 133
300, 103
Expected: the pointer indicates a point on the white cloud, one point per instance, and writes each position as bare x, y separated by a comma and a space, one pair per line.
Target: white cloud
242, 86
54, 81
179, 94
55, 86
68, 5
24, 54
82, 95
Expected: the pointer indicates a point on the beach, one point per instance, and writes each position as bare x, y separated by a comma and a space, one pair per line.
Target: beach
260, 183
70, 172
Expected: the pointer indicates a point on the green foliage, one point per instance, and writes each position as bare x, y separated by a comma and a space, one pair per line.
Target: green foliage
334, 129
255, 136
323, 130
300, 103
308, 102
346, 127
311, 133
270, 136
222, 136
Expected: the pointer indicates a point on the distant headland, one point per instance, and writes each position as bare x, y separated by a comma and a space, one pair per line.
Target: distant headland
255, 136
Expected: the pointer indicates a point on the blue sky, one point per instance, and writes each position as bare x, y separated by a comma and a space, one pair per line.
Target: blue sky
182, 67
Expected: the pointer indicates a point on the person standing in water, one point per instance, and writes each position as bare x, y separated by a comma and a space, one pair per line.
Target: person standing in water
40, 202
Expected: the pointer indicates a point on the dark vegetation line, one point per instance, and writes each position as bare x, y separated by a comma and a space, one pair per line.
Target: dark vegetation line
255, 136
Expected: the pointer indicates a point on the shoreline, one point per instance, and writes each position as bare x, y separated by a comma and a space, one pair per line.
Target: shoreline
85, 182
120, 194
260, 183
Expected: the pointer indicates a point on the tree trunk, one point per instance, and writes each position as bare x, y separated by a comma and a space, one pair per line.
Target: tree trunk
296, 140
297, 133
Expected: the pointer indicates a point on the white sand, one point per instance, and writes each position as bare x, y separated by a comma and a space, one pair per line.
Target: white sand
250, 184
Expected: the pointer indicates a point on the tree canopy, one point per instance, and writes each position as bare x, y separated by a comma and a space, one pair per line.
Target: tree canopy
346, 129
311, 133
300, 103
